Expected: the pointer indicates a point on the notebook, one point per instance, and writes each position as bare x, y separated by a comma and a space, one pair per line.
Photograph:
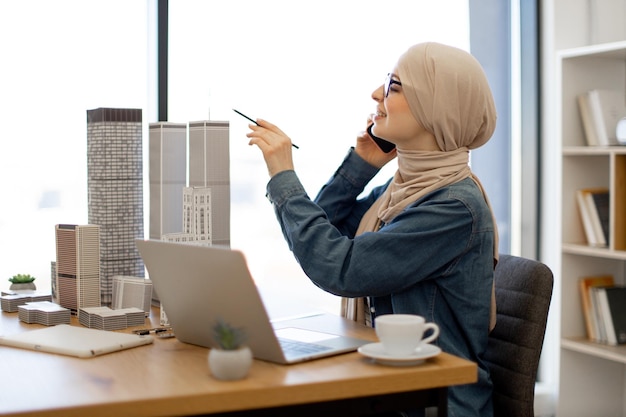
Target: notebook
74, 340
198, 285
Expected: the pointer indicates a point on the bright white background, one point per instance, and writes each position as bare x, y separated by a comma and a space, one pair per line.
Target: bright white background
309, 67
58, 59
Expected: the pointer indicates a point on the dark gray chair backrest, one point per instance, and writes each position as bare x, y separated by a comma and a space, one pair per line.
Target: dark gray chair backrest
523, 293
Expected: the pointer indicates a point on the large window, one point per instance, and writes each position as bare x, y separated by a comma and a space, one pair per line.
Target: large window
308, 67
59, 59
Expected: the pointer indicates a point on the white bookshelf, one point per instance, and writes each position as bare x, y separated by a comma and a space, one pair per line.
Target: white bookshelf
592, 380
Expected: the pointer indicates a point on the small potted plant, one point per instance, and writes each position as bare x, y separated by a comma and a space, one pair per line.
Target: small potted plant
22, 282
231, 359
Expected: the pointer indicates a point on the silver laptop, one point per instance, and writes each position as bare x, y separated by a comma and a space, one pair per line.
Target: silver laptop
197, 285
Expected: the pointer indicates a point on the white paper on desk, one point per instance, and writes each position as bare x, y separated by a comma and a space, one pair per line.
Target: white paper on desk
76, 341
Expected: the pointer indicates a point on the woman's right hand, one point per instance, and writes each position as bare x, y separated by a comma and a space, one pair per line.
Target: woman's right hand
275, 145
367, 149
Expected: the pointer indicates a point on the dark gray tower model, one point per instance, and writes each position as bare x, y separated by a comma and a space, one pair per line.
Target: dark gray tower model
115, 191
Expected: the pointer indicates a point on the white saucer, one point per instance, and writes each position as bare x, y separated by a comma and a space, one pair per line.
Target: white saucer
377, 352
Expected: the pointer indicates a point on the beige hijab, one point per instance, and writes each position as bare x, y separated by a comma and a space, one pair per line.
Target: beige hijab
448, 94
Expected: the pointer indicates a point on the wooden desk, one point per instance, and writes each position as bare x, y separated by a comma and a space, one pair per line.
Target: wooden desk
172, 378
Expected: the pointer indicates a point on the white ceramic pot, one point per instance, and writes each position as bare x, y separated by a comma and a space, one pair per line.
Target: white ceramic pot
230, 365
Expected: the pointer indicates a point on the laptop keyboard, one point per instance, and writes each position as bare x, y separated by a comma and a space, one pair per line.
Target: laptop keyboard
296, 347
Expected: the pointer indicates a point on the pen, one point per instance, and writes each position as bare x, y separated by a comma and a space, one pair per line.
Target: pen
253, 121
241, 114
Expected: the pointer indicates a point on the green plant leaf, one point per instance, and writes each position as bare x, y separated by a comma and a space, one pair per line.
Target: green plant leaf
227, 336
22, 279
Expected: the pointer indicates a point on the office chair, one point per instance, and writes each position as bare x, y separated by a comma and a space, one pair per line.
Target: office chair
523, 293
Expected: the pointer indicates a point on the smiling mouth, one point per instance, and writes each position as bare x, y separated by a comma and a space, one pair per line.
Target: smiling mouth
379, 114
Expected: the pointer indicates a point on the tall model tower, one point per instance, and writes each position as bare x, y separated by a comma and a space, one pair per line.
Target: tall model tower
209, 167
78, 266
168, 176
115, 191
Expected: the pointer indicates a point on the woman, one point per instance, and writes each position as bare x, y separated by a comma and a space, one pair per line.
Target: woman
424, 243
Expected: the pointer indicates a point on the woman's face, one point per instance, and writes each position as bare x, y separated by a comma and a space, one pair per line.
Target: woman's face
393, 120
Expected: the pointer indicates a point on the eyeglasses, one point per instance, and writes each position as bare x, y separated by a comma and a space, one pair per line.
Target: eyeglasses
388, 83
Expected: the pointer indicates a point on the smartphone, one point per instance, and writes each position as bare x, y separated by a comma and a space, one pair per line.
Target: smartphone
384, 145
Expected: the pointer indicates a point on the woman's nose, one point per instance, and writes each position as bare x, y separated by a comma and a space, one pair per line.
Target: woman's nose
378, 94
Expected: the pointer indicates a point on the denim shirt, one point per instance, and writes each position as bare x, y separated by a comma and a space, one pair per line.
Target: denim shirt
434, 259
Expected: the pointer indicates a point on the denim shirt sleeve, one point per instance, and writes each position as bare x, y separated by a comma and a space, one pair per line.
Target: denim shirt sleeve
338, 197
417, 244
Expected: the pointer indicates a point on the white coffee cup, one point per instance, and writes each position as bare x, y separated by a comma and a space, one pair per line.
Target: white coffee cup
402, 334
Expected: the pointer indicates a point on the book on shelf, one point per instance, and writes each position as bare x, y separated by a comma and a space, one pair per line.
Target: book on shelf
584, 108
596, 308
585, 285
600, 112
599, 203
612, 302
593, 205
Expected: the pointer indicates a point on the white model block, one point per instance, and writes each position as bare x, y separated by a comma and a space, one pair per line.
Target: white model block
132, 292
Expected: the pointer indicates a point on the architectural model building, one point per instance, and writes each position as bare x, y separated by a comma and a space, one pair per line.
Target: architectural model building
78, 266
105, 318
53, 281
10, 302
197, 218
197, 225
132, 292
168, 176
209, 167
45, 313
115, 191
198, 214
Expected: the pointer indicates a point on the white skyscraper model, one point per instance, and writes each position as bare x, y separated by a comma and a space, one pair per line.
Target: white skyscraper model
197, 213
132, 292
197, 218
168, 176
209, 167
78, 266
115, 191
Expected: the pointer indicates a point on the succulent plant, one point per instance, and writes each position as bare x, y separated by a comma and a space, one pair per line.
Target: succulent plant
227, 336
21, 279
